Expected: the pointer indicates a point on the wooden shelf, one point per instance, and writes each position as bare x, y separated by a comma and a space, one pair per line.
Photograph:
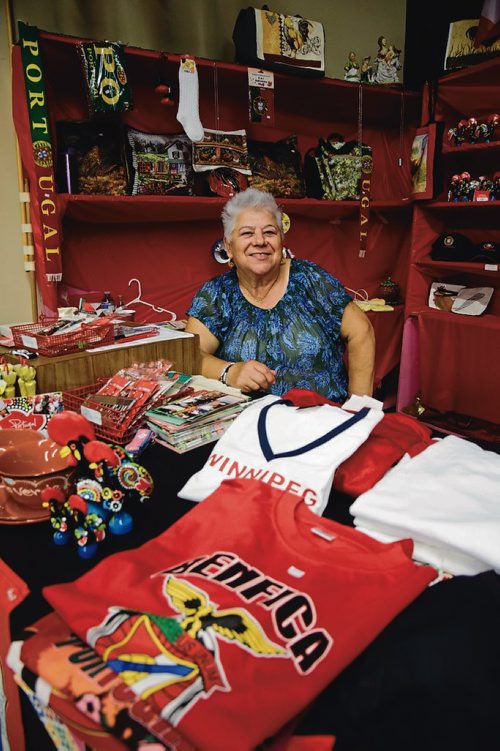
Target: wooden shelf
471, 148
138, 209
382, 104
463, 205
460, 267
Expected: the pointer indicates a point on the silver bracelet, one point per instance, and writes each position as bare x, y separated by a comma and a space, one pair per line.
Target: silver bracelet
223, 375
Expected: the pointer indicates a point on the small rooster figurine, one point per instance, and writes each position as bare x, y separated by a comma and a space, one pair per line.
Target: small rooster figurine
106, 476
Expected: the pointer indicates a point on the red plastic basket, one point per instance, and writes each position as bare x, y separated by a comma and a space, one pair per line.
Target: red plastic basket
74, 398
28, 337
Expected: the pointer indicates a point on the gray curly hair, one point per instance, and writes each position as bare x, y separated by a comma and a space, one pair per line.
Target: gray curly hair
248, 199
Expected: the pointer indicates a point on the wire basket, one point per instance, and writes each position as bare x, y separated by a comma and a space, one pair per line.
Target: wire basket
111, 432
28, 336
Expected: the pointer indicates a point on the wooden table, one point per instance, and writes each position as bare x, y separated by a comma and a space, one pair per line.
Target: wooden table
82, 368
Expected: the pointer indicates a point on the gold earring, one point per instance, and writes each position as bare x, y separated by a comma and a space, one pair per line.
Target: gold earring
230, 263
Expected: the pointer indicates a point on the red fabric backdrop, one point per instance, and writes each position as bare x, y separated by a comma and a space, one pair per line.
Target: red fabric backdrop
166, 242
458, 365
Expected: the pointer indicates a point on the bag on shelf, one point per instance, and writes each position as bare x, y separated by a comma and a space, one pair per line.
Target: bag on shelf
276, 167
292, 44
162, 164
105, 77
91, 157
220, 148
333, 169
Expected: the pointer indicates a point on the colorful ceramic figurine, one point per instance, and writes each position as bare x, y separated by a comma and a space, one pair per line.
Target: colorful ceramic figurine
387, 62
352, 68
106, 478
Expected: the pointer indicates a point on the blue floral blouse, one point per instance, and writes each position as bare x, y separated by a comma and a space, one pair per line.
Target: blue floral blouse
299, 337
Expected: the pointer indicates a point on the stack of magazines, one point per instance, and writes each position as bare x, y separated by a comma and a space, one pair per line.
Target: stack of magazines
195, 418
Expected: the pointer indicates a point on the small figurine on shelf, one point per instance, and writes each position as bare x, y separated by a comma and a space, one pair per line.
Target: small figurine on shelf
382, 48
493, 123
416, 408
463, 193
482, 133
456, 136
495, 191
471, 130
390, 291
366, 71
473, 190
455, 187
387, 62
352, 68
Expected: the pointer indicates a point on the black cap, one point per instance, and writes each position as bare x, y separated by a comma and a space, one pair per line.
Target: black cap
453, 246
487, 252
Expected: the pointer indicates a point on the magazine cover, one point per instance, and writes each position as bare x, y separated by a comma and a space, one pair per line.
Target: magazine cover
195, 406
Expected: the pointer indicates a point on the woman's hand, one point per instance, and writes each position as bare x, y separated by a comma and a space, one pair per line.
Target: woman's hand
250, 376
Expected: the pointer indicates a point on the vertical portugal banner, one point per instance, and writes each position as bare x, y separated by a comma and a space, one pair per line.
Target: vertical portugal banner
44, 211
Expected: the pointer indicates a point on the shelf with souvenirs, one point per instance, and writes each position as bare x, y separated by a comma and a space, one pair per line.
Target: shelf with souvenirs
451, 336
158, 209
121, 209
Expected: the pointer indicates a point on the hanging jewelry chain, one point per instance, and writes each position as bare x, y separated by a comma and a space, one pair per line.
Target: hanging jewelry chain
260, 299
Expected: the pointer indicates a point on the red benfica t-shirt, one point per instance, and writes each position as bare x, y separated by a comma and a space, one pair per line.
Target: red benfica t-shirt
235, 618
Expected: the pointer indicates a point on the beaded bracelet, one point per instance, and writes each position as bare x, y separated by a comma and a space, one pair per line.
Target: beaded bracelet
223, 375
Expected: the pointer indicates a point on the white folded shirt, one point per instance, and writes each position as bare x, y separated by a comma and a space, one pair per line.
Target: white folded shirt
447, 499
296, 449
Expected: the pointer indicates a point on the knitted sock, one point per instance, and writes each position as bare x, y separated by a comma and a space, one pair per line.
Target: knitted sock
188, 114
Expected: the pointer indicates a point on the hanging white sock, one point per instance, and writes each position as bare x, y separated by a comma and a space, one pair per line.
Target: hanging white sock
188, 114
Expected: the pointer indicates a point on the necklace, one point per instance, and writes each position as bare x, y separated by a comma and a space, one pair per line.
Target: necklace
261, 299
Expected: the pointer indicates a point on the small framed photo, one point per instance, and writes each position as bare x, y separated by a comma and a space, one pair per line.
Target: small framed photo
461, 48
423, 151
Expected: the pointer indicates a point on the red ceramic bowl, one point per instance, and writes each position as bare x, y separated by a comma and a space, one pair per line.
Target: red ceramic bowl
10, 437
29, 467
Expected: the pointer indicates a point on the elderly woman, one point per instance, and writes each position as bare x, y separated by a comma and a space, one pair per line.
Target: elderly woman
272, 323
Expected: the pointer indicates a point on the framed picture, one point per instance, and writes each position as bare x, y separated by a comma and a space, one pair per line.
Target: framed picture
461, 49
422, 157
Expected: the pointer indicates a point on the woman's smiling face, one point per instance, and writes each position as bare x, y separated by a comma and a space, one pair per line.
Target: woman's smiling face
256, 242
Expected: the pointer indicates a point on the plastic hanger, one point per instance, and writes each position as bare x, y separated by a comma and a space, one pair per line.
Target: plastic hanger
138, 300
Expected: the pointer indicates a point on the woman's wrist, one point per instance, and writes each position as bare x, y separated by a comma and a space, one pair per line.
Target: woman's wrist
224, 372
